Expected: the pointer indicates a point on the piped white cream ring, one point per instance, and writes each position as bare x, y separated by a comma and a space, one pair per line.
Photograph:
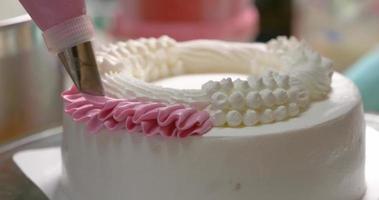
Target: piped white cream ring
285, 76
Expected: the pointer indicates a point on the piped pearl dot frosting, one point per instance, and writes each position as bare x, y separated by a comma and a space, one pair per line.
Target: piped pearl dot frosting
219, 100
258, 100
234, 118
250, 118
241, 85
282, 81
268, 80
267, 116
226, 84
218, 118
280, 113
237, 100
254, 100
267, 97
281, 96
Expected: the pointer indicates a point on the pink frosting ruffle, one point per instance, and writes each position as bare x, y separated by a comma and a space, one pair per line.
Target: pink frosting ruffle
150, 118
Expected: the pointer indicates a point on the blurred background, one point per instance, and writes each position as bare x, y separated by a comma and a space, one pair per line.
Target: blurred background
31, 79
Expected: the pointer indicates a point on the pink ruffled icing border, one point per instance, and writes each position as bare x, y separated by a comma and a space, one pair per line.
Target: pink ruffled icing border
150, 118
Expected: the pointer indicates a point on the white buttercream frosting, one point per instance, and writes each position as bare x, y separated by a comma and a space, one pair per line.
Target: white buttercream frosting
285, 75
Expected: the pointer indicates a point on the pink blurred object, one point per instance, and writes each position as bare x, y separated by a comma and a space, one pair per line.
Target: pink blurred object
48, 13
236, 20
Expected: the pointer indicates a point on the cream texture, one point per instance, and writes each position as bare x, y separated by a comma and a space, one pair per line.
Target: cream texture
285, 76
319, 155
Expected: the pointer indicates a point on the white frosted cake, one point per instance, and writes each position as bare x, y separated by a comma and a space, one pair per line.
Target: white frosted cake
212, 120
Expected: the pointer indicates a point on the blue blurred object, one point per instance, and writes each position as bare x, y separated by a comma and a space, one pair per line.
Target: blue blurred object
365, 74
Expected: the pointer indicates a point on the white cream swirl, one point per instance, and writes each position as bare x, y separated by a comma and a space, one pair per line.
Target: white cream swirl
285, 76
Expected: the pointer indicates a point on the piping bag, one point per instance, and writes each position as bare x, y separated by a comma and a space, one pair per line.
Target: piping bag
68, 32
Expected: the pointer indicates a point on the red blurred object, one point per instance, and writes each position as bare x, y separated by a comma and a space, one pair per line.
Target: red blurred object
153, 10
183, 20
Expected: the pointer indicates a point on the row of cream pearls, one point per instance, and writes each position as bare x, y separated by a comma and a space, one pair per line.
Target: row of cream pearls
265, 99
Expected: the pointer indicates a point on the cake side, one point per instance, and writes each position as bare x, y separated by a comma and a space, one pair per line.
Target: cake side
316, 159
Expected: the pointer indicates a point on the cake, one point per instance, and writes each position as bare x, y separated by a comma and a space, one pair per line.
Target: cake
214, 120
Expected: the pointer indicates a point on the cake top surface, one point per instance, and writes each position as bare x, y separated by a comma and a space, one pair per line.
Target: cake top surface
283, 79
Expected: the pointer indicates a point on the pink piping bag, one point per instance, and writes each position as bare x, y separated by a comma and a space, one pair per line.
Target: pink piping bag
68, 32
